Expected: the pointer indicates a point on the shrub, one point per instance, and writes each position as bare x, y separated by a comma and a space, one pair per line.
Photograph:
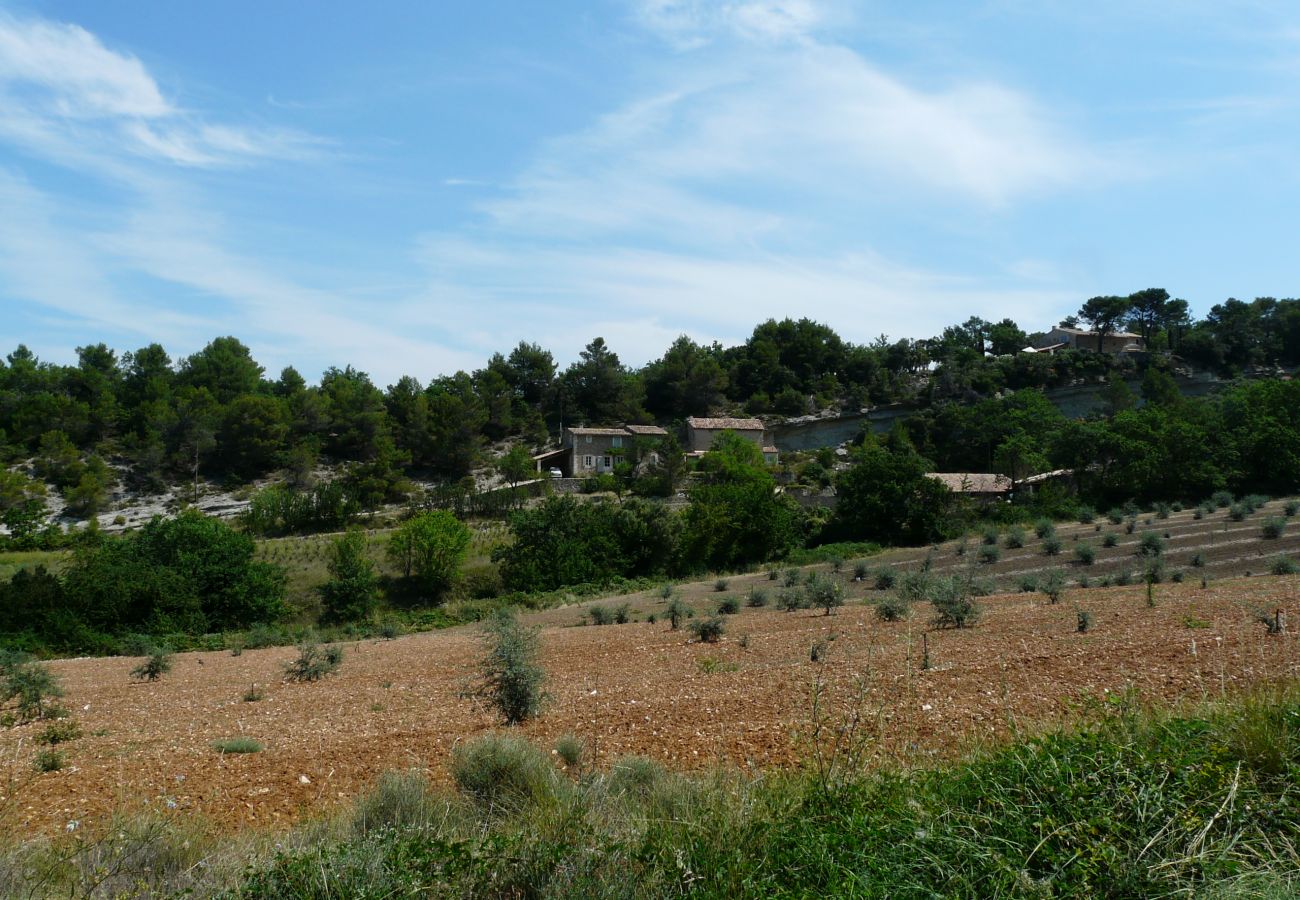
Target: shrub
1177, 576
757, 598
430, 547
791, 577
1198, 560
1054, 586
708, 631
1085, 581
1130, 525
1151, 544
789, 599
989, 535
1028, 583
399, 800
1052, 546
893, 608
570, 749
837, 563
819, 650
254, 694
720, 585
915, 586
157, 663
1270, 619
666, 591
860, 570
885, 578
1162, 510
989, 554
1111, 539
1115, 516
953, 605
502, 772
32, 688
1284, 566
353, 587
773, 575
1253, 502
1045, 528
729, 606
600, 615
1221, 499
49, 761
59, 733
1085, 554
1122, 578
622, 614
512, 678
237, 745
825, 593
1199, 514
313, 662
1292, 509
636, 776
1083, 620
1015, 539
1237, 512
1273, 528
677, 611
1087, 515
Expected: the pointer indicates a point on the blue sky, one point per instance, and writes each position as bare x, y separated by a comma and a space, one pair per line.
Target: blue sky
407, 187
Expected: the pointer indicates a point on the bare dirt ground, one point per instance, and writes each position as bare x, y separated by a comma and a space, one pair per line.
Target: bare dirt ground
635, 688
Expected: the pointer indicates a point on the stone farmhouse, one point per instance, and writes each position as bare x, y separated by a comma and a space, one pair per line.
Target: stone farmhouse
700, 433
1062, 336
585, 452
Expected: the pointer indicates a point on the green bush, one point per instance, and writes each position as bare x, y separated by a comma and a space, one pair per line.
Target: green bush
1086, 515
1292, 509
1198, 560
1221, 499
729, 606
720, 585
1151, 544
157, 663
1083, 621
989, 554
708, 631
989, 535
503, 772
757, 597
1111, 539
59, 733
49, 761
1238, 512
1015, 538
1054, 586
791, 577
1284, 566
1273, 528
953, 605
600, 615
1045, 528
512, 677
1085, 554
1028, 583
790, 599
1115, 516
398, 800
825, 593
352, 591
677, 612
893, 608
885, 578
1162, 510
1052, 546
313, 662
860, 570
32, 688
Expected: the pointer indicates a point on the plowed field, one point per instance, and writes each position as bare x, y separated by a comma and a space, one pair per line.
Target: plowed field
635, 688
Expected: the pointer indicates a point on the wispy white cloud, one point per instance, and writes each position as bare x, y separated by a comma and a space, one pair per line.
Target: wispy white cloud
58, 80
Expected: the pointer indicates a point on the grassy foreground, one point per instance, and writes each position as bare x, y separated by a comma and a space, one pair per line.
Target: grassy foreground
1134, 804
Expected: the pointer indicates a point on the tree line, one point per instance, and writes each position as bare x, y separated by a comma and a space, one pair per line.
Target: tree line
217, 413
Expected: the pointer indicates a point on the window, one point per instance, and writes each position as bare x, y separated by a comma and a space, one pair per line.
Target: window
588, 439
587, 462
609, 463
618, 442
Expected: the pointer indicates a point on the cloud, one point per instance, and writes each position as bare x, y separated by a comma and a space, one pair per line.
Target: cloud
689, 24
59, 83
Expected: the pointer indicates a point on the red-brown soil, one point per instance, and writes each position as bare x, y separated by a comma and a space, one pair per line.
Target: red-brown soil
636, 688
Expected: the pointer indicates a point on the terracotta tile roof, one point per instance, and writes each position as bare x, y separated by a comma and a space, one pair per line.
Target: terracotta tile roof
973, 482
733, 424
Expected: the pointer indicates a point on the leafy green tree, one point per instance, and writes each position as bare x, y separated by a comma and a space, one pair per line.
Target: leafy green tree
886, 496
688, 380
430, 548
736, 516
516, 465
598, 388
1104, 314
353, 588
1006, 338
225, 368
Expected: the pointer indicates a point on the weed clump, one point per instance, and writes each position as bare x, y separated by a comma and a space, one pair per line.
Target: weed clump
398, 800
503, 772
237, 745
570, 749
860, 570
49, 761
